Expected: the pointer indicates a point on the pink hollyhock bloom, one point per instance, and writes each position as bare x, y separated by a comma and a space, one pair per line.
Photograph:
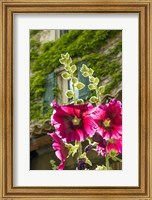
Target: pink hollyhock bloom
109, 119
114, 146
61, 150
73, 122
105, 147
101, 146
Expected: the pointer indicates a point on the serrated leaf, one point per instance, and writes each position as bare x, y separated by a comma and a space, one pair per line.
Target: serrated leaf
68, 61
80, 101
68, 145
91, 87
79, 86
62, 61
93, 99
96, 81
66, 75
84, 68
101, 90
74, 80
72, 149
91, 78
73, 68
62, 56
67, 67
90, 72
69, 93
85, 74
86, 158
67, 55
101, 167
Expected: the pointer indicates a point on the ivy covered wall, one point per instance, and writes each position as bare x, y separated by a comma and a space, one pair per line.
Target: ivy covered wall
102, 49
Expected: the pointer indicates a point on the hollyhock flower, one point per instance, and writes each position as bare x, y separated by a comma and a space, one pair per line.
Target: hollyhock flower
111, 146
109, 119
114, 147
61, 150
101, 146
73, 122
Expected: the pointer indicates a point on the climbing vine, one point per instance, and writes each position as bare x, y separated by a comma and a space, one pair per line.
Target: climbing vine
82, 45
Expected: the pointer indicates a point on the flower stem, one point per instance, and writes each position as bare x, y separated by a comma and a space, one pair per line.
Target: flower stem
80, 149
97, 95
107, 162
74, 97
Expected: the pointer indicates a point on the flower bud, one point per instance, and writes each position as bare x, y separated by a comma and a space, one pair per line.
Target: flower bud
79, 86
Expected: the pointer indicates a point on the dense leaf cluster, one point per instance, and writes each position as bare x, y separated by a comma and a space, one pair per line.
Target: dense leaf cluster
82, 45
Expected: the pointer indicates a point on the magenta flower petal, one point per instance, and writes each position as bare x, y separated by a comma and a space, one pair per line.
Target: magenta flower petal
101, 146
73, 122
109, 119
61, 150
115, 145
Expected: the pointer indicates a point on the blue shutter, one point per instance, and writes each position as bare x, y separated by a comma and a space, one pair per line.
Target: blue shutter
49, 95
85, 92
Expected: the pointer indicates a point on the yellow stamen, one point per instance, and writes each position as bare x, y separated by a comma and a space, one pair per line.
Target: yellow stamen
76, 121
106, 123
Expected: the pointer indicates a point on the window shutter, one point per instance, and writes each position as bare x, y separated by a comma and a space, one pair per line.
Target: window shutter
85, 92
49, 95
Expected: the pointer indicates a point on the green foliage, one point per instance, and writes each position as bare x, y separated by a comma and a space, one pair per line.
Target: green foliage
69, 94
82, 45
34, 50
34, 32
53, 165
79, 86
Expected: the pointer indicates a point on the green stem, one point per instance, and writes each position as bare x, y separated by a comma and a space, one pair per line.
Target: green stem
97, 94
74, 97
80, 149
107, 162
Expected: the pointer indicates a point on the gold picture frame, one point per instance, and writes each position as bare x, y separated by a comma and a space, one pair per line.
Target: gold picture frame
8, 8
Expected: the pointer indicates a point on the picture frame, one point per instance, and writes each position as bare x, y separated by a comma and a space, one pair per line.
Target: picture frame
8, 9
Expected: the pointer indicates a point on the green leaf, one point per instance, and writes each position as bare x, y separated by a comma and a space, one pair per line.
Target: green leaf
80, 101
102, 167
66, 75
85, 74
93, 99
67, 55
73, 68
91, 78
62, 61
79, 86
68, 61
84, 68
53, 165
74, 80
101, 90
91, 71
96, 81
67, 67
65, 59
69, 93
91, 87
86, 158
72, 149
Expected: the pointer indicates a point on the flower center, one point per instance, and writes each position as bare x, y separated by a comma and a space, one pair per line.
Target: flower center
76, 121
111, 140
106, 123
